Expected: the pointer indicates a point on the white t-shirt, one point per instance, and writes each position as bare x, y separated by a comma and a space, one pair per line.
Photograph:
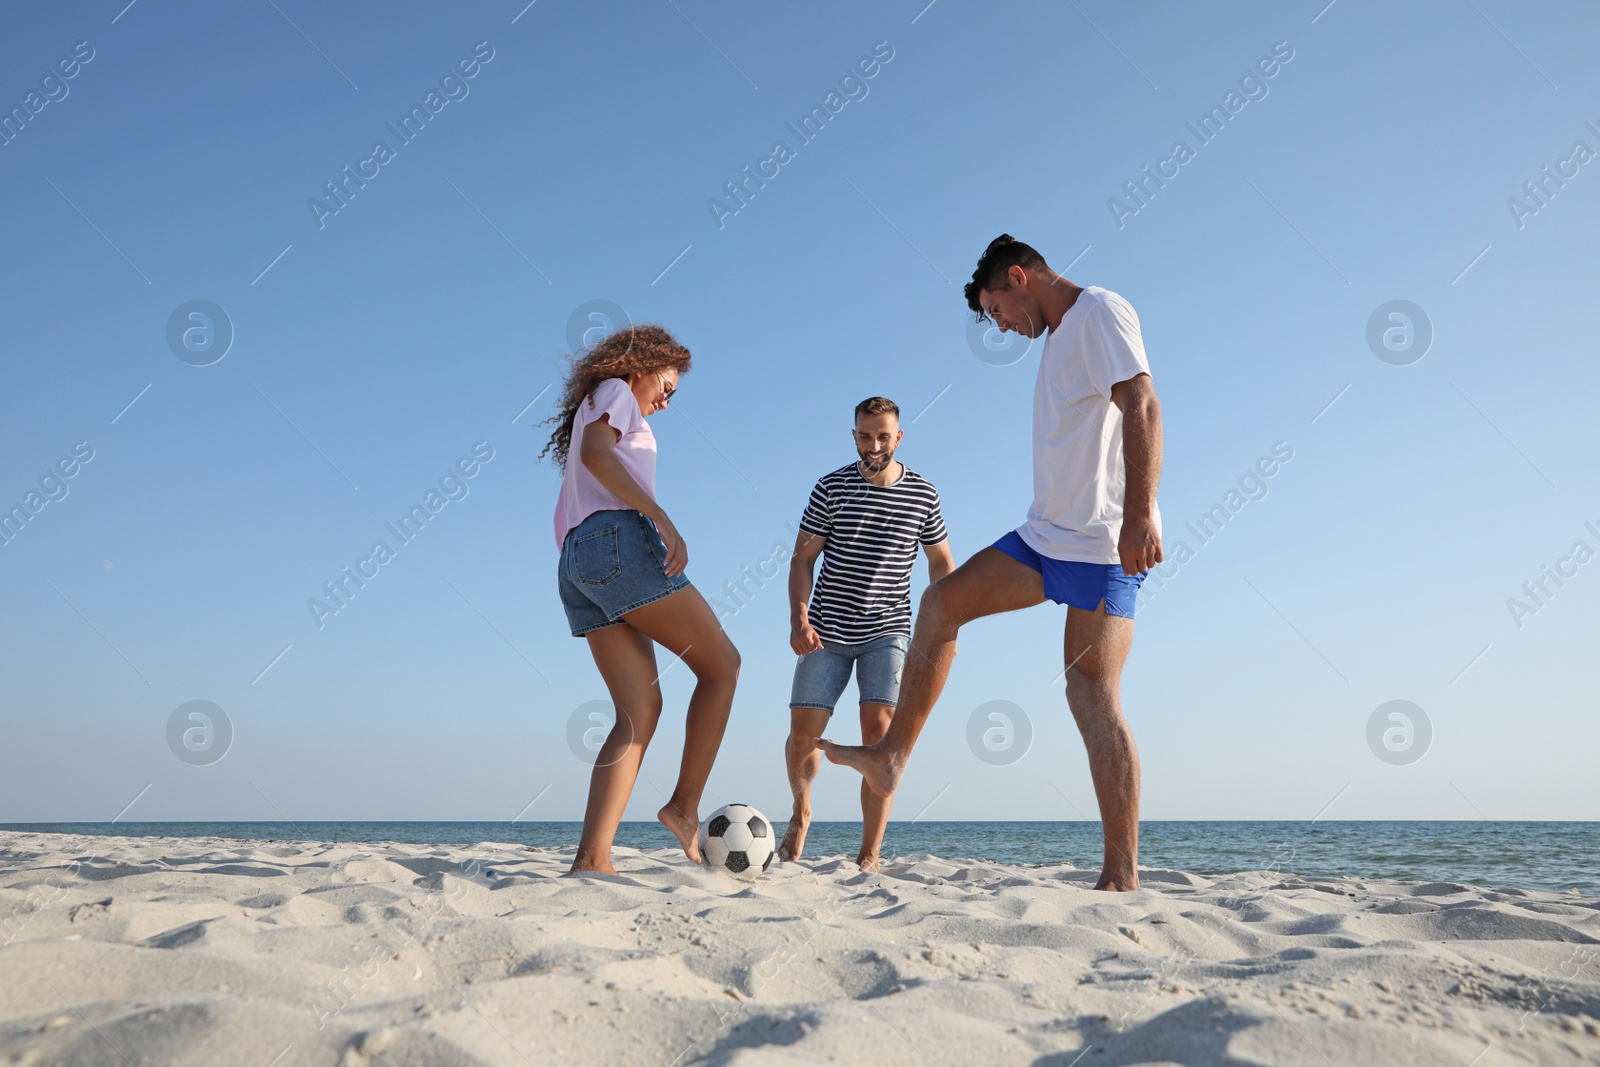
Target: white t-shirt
1079, 480
581, 495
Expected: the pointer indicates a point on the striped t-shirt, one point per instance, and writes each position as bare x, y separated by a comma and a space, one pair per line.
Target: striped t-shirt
864, 591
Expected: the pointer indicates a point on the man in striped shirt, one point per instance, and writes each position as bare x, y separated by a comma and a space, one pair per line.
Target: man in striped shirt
865, 520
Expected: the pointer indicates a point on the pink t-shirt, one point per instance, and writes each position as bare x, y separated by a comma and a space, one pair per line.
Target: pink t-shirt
581, 494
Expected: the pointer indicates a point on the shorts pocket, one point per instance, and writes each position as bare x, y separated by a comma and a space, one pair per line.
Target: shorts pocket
595, 558
653, 544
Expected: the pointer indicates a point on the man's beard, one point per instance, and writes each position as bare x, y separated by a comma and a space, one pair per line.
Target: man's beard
875, 468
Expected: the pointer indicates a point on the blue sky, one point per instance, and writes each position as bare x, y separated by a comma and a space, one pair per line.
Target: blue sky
374, 347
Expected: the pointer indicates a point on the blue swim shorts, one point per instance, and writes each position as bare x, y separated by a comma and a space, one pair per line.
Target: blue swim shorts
612, 562
1078, 585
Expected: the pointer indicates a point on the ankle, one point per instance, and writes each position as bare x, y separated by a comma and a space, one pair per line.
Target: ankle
680, 808
889, 749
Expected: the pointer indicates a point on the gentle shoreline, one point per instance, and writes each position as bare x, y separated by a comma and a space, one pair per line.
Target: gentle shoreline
1546, 855
205, 950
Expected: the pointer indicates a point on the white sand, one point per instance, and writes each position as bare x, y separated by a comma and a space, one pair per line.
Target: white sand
217, 952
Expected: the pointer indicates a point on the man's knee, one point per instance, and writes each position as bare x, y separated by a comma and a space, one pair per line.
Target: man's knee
875, 719
1089, 691
1097, 711
938, 607
804, 731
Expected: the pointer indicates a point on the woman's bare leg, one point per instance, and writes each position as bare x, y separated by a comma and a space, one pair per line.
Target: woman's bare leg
685, 625
627, 662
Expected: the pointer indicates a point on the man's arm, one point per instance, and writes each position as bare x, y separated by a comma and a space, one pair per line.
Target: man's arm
807, 547
1139, 547
940, 561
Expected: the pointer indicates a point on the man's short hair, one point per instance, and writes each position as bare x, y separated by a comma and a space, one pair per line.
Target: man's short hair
878, 405
1003, 253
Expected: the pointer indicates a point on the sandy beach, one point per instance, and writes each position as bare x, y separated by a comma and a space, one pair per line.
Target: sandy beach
273, 954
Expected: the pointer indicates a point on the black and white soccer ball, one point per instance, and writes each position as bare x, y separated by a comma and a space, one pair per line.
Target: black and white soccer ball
738, 838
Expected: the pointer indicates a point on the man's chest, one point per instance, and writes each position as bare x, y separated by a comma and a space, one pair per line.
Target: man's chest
1064, 390
881, 521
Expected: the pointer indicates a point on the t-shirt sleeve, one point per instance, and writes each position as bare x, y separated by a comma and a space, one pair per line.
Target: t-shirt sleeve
933, 530
817, 519
613, 399
1113, 344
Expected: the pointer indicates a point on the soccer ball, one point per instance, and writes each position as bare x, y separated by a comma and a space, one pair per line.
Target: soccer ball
738, 838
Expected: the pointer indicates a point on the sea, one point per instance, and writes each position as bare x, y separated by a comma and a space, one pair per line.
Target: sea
1553, 856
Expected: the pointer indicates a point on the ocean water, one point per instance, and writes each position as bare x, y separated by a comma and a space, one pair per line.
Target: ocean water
1554, 856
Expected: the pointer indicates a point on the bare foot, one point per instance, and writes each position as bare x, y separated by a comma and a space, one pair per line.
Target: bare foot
868, 862
684, 828
581, 865
1118, 881
880, 768
794, 838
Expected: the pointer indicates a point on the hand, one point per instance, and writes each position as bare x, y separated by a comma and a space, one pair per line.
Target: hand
803, 639
1139, 546
677, 551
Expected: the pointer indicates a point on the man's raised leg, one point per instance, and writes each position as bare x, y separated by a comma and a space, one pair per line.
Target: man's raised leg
803, 761
1095, 648
987, 584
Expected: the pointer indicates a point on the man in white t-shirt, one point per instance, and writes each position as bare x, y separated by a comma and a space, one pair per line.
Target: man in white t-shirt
1092, 532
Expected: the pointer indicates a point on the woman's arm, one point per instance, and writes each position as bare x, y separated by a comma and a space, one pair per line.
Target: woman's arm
598, 455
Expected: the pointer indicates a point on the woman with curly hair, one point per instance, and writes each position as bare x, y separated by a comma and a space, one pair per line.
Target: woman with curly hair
623, 585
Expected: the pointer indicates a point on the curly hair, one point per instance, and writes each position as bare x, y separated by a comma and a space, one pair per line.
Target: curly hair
630, 350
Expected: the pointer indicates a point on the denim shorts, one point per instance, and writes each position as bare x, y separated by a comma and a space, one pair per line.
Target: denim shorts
1078, 585
611, 563
820, 676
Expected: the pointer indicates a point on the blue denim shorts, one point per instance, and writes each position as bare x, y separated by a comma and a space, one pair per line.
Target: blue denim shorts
820, 676
1078, 585
611, 563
